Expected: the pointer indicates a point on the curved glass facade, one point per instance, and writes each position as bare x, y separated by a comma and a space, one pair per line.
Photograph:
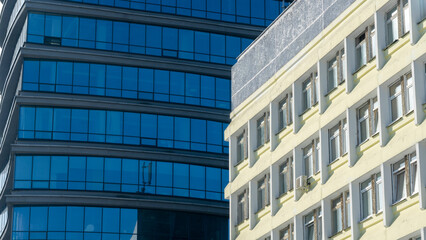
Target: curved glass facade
126, 82
98, 223
254, 12
73, 31
120, 175
88, 125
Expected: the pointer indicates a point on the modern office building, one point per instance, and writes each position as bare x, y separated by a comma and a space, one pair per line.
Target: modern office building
112, 115
327, 132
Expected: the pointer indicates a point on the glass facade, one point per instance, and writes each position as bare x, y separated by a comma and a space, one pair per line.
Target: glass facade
88, 125
73, 31
120, 175
126, 82
254, 12
96, 223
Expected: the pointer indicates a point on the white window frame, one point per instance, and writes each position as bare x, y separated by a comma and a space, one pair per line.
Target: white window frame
373, 189
240, 148
286, 176
287, 233
400, 170
365, 117
310, 221
405, 105
308, 158
261, 130
392, 25
332, 73
285, 112
307, 94
242, 207
334, 134
405, 17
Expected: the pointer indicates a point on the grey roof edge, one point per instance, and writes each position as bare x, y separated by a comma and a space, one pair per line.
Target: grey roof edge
293, 30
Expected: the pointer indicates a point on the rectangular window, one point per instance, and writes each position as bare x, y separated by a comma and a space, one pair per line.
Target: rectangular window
286, 176
263, 129
287, 233
402, 96
309, 91
263, 192
404, 177
368, 119
310, 158
405, 17
365, 46
371, 196
397, 21
242, 147
337, 140
313, 225
340, 209
392, 26
242, 210
285, 112
336, 70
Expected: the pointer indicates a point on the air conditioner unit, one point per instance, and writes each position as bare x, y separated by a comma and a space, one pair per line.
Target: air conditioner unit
302, 183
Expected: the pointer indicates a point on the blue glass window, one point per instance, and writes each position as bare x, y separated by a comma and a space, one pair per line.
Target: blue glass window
119, 175
126, 82
76, 222
108, 127
134, 38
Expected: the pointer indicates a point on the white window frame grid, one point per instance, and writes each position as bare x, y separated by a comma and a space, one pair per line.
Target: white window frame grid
289, 230
406, 167
365, 48
242, 147
339, 132
315, 221
399, 20
310, 92
242, 207
263, 190
335, 71
406, 95
375, 187
391, 20
262, 130
286, 176
311, 155
284, 107
371, 118
341, 204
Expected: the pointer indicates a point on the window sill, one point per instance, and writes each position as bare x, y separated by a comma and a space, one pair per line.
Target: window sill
399, 119
390, 45
341, 232
282, 195
399, 201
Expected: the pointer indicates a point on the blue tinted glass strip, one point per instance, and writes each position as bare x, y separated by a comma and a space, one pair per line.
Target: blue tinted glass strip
81, 222
126, 82
120, 175
84, 125
73, 31
253, 12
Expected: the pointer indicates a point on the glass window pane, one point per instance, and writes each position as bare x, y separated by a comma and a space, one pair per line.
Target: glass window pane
38, 219
129, 221
59, 168
53, 26
92, 219
23, 167
36, 24
112, 170
41, 167
75, 219
21, 217
56, 219
111, 219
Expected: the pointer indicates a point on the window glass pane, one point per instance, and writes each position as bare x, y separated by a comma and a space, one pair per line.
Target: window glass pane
112, 170
31, 71
95, 169
148, 126
198, 131
61, 120
180, 179
41, 167
59, 171
87, 29
192, 85
130, 171
56, 219
64, 74
23, 167
128, 222
104, 32
75, 219
97, 121
165, 127
197, 178
21, 216
53, 26
92, 219
70, 27
164, 176
35, 24
121, 33
48, 73
77, 168
111, 219
38, 219
182, 129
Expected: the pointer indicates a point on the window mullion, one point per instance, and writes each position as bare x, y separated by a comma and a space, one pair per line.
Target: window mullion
407, 175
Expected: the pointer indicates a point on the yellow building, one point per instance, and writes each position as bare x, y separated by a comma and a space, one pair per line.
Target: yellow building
327, 138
